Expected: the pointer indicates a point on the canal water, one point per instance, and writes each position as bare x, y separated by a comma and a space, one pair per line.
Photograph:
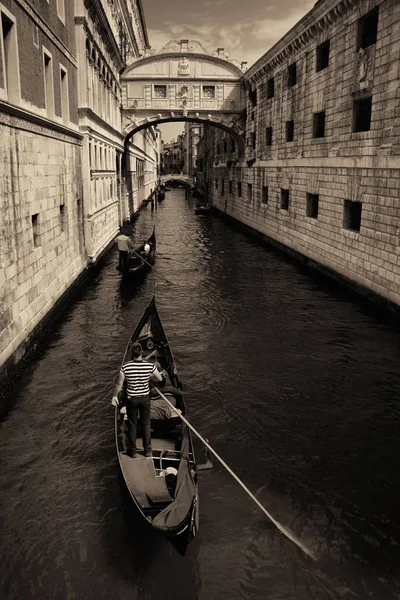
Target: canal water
295, 385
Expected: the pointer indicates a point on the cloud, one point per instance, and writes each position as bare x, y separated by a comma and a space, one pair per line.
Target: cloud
244, 40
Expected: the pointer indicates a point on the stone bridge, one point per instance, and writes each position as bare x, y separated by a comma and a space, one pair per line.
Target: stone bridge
176, 177
185, 82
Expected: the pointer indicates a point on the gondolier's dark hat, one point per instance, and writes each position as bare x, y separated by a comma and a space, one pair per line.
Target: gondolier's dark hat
136, 350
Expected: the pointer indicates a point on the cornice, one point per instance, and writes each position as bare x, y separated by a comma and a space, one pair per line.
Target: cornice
19, 118
47, 31
307, 29
90, 114
95, 8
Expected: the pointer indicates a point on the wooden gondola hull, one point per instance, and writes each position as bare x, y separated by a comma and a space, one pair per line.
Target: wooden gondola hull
171, 511
137, 266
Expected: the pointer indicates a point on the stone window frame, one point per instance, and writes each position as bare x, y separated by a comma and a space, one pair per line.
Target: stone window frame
270, 88
208, 88
10, 69
264, 195
250, 191
319, 125
64, 94
48, 80
268, 136
239, 187
35, 223
356, 116
292, 78
61, 10
361, 28
159, 86
289, 131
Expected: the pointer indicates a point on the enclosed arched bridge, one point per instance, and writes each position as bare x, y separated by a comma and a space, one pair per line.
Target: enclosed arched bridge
184, 82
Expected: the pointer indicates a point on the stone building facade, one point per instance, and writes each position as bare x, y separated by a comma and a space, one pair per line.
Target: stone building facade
192, 137
63, 188
41, 196
321, 174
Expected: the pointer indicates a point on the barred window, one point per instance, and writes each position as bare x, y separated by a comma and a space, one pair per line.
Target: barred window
160, 91
208, 91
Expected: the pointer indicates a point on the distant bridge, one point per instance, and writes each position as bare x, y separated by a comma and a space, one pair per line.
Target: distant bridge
177, 177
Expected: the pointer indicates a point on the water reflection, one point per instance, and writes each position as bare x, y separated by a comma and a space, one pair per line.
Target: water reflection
282, 374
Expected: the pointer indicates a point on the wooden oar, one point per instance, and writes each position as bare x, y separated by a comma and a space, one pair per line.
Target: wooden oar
281, 528
151, 266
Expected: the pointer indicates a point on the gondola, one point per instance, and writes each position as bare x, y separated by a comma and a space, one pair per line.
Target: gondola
202, 209
167, 501
138, 261
160, 195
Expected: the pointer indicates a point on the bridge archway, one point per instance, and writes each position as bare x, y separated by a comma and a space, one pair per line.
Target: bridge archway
187, 179
184, 82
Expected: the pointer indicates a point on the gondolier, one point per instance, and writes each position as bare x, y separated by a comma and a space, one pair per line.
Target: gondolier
137, 373
123, 247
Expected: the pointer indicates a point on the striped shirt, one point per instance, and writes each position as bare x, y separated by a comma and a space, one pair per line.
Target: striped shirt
137, 375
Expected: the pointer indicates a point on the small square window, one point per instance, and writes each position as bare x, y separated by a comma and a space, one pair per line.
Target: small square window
289, 131
368, 29
268, 136
292, 75
35, 230
250, 191
322, 56
352, 215
312, 206
270, 88
285, 199
319, 124
208, 91
239, 189
160, 91
362, 110
265, 194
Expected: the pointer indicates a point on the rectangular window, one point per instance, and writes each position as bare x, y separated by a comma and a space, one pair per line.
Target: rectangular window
35, 230
292, 75
160, 91
289, 131
322, 56
239, 189
36, 36
63, 219
367, 33
64, 95
10, 59
264, 198
61, 10
312, 206
268, 136
285, 199
209, 91
49, 83
222, 187
319, 124
362, 110
270, 88
231, 187
250, 191
253, 139
253, 97
352, 215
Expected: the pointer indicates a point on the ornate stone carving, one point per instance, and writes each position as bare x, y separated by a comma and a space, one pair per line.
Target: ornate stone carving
184, 68
364, 68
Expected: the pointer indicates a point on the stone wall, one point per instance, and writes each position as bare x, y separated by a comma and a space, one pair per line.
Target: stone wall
42, 246
331, 193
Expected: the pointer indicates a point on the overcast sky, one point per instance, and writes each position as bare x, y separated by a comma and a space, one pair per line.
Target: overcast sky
245, 28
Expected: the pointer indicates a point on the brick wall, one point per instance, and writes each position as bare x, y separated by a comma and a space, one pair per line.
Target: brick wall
344, 170
38, 175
